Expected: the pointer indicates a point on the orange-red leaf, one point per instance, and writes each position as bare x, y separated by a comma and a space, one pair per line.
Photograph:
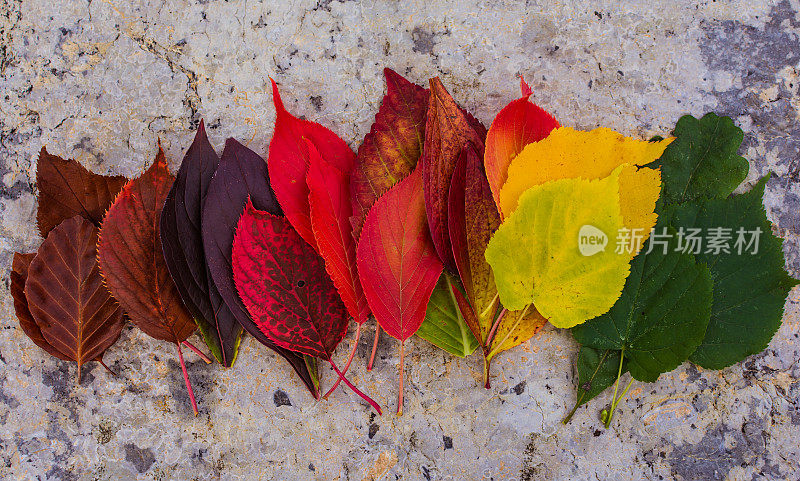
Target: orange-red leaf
132, 260
67, 189
288, 162
447, 130
66, 296
329, 198
392, 147
517, 125
397, 261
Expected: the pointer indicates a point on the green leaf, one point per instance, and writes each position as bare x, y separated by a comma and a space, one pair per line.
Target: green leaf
443, 325
661, 316
702, 163
749, 289
597, 371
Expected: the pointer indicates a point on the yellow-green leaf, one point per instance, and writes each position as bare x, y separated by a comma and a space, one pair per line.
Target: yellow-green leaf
535, 253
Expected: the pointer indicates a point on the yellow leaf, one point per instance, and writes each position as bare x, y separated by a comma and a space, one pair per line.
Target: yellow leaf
536, 256
568, 153
515, 328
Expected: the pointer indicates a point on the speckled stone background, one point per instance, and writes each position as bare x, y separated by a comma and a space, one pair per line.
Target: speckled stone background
102, 80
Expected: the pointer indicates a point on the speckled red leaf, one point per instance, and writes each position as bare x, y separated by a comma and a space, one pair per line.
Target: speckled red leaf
392, 147
283, 283
288, 162
396, 259
241, 174
19, 273
517, 125
132, 261
284, 286
447, 130
66, 295
67, 189
182, 243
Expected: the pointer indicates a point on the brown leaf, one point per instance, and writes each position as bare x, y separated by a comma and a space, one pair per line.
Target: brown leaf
19, 274
66, 295
67, 189
132, 260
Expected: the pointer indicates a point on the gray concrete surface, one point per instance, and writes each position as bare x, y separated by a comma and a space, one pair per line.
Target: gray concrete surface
102, 80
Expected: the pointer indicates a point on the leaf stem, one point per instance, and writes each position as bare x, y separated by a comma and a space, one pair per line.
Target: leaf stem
347, 365
486, 366
400, 395
100, 360
197, 351
186, 379
614, 400
490, 306
355, 389
571, 413
519, 319
493, 330
374, 346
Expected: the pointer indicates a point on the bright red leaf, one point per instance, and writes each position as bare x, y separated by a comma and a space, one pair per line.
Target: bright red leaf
283, 283
397, 262
517, 125
288, 162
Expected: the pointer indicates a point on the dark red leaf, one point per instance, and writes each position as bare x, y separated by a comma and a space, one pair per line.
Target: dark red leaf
393, 146
447, 130
241, 174
19, 273
67, 189
66, 295
288, 162
182, 242
132, 260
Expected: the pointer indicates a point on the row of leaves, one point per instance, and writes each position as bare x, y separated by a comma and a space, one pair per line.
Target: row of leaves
435, 226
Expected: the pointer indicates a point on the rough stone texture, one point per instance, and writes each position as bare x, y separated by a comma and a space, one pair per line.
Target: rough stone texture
102, 80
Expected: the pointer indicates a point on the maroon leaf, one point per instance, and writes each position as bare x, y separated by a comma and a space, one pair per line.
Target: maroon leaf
67, 189
19, 273
241, 174
68, 301
182, 242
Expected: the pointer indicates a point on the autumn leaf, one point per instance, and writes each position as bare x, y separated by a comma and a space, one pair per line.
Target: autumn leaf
241, 174
597, 370
289, 159
397, 262
71, 307
568, 153
473, 219
132, 261
535, 257
444, 327
18, 276
67, 189
182, 243
286, 289
392, 147
518, 124
448, 129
